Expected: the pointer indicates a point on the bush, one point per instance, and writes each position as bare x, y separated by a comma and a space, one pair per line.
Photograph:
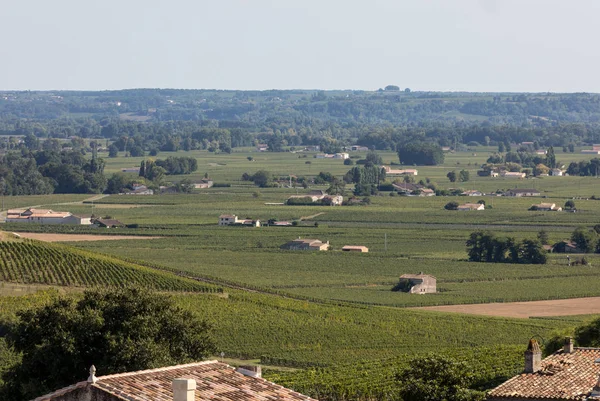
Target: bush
451, 206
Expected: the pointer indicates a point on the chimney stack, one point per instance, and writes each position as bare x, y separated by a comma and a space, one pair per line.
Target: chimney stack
568, 347
184, 389
252, 371
533, 357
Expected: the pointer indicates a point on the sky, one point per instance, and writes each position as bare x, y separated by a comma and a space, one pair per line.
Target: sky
425, 45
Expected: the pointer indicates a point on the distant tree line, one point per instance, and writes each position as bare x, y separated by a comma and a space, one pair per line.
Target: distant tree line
488, 247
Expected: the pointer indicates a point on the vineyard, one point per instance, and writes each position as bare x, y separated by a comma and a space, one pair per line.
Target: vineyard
368, 380
35, 262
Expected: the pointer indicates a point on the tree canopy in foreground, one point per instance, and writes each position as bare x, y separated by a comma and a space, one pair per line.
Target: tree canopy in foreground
117, 330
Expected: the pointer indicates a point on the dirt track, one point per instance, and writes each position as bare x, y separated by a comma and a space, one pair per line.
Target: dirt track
78, 237
560, 307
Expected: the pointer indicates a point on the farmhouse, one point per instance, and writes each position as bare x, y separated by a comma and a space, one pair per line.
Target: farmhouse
45, 216
566, 247
315, 196
342, 156
262, 147
392, 172
471, 206
556, 172
472, 192
232, 220
139, 189
570, 373
512, 174
522, 192
358, 148
209, 380
306, 245
355, 248
417, 283
203, 184
108, 223
410, 189
546, 207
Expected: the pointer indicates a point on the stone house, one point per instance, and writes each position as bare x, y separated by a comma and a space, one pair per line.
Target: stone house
305, 244
570, 373
546, 207
418, 283
471, 206
210, 380
45, 216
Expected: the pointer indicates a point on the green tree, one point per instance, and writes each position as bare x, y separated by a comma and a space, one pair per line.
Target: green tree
569, 204
501, 147
532, 252
117, 330
463, 176
588, 335
550, 158
262, 178
543, 237
437, 378
422, 153
451, 206
337, 187
451, 176
373, 158
584, 239
113, 151
116, 183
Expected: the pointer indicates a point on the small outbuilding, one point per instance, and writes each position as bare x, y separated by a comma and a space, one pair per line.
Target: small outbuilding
355, 248
108, 223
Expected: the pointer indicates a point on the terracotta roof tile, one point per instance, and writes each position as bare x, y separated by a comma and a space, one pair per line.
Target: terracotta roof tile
215, 381
564, 376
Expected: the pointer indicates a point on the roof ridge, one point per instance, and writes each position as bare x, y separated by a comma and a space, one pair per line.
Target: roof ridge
60, 391
137, 372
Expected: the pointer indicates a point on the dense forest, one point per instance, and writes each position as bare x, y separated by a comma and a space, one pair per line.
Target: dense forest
154, 120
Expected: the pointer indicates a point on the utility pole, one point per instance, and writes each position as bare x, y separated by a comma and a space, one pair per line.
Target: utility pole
385, 237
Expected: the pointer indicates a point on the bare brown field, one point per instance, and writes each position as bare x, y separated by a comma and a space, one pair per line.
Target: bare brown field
78, 237
559, 307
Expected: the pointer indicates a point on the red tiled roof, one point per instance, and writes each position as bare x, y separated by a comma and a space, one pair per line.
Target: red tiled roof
564, 376
215, 381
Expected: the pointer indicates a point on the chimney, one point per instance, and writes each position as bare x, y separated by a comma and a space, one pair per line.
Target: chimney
184, 389
568, 347
252, 371
533, 357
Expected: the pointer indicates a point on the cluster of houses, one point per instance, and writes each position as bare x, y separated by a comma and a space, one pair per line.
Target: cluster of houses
516, 174
308, 244
318, 196
48, 216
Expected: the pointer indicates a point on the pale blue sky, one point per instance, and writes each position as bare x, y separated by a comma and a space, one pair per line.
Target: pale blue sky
444, 45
